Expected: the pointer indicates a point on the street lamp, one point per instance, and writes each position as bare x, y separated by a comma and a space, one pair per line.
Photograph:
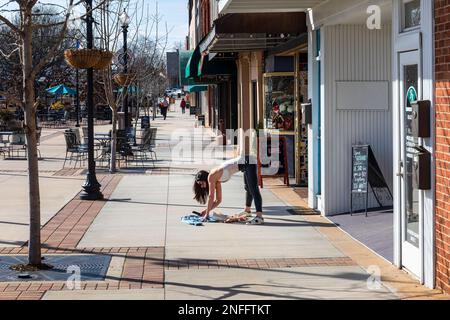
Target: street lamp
78, 91
125, 20
92, 186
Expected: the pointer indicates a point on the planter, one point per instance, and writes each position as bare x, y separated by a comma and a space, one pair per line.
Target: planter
14, 125
105, 60
82, 58
6, 116
123, 79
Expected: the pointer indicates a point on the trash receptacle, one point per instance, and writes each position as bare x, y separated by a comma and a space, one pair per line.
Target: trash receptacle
121, 120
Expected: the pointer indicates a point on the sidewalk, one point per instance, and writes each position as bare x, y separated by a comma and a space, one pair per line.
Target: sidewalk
155, 256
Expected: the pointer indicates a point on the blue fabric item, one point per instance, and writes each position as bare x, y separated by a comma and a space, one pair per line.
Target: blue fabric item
195, 220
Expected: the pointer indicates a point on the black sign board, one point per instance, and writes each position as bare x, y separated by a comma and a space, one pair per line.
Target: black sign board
366, 172
145, 122
360, 169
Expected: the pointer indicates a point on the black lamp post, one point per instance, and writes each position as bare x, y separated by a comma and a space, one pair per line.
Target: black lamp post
92, 186
78, 99
125, 20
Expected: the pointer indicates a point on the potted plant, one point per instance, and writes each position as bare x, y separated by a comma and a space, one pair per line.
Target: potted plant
82, 58
5, 117
105, 60
10, 122
123, 79
57, 106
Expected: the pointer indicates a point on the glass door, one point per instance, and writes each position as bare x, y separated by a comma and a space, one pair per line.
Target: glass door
412, 212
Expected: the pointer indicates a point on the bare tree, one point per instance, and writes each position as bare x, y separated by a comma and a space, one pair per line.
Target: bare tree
23, 31
56, 71
147, 46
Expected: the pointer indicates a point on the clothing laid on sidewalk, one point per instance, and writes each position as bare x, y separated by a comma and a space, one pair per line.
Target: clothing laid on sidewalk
193, 220
197, 221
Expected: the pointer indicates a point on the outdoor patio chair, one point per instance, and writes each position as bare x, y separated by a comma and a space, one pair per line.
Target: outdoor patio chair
4, 145
17, 145
85, 141
145, 151
124, 149
85, 135
74, 151
3, 151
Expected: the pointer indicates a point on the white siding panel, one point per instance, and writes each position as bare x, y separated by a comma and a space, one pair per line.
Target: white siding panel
353, 53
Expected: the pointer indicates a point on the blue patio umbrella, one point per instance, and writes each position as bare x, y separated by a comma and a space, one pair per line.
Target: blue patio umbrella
61, 90
131, 89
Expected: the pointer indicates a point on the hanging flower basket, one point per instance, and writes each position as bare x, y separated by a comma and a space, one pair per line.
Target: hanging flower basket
82, 58
123, 79
105, 60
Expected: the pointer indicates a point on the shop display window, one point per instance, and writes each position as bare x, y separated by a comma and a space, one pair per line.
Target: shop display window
279, 101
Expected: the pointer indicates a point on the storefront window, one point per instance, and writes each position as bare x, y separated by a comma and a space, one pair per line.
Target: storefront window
279, 92
411, 13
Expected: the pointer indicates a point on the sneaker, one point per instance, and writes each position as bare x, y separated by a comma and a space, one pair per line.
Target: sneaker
258, 221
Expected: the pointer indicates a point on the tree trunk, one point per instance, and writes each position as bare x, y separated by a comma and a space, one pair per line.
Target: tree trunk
112, 165
34, 255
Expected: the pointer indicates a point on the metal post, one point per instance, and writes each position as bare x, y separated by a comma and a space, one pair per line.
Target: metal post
91, 186
78, 99
125, 68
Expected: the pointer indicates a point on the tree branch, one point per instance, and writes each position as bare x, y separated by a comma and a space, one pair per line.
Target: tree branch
52, 50
10, 25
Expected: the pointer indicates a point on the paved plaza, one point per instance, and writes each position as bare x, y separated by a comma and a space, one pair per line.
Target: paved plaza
154, 256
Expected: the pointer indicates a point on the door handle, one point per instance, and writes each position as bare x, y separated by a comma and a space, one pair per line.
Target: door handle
400, 174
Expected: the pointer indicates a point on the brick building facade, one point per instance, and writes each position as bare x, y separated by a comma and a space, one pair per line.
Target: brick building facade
442, 84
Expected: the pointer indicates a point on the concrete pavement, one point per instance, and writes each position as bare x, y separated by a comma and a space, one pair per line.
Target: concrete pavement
156, 256
145, 211
56, 190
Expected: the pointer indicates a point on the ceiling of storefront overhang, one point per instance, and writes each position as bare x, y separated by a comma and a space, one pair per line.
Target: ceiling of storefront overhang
325, 12
255, 31
254, 6
335, 12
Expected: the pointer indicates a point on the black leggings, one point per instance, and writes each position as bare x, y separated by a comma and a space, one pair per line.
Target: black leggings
164, 112
251, 185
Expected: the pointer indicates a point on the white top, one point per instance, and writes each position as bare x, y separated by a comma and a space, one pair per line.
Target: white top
230, 168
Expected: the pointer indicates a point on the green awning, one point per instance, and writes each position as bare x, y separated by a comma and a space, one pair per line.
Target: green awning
185, 58
215, 67
192, 65
197, 88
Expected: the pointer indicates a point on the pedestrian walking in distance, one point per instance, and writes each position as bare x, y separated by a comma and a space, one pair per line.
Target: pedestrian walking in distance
165, 108
183, 106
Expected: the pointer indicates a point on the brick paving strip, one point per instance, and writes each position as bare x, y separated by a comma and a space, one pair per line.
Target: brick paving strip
258, 264
67, 172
